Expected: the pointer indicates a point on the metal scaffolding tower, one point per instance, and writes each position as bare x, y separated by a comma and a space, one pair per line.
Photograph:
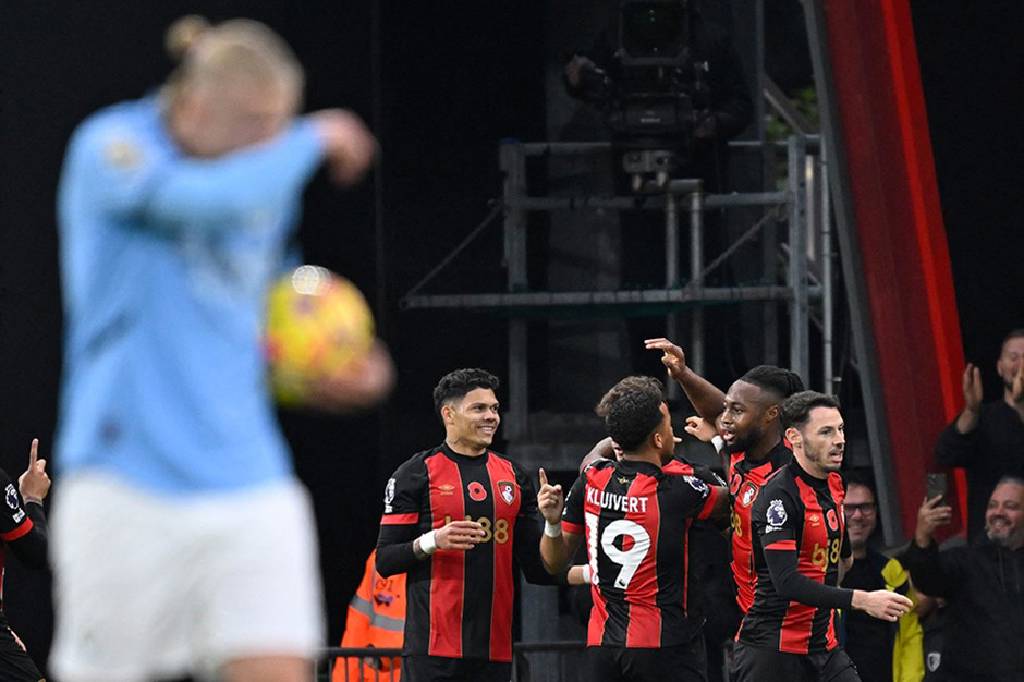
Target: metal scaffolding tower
806, 252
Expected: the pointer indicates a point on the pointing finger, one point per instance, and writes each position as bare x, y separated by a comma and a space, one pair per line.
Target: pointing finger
33, 453
543, 477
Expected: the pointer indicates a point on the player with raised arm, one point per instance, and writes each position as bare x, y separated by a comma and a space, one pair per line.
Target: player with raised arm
183, 543
748, 429
455, 517
634, 514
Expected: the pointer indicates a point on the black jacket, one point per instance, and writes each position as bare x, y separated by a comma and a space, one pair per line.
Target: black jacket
984, 584
993, 449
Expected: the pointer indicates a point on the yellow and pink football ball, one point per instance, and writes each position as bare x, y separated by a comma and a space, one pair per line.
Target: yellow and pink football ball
318, 323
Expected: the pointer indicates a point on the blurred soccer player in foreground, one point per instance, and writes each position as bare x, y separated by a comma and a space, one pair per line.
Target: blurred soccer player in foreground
183, 542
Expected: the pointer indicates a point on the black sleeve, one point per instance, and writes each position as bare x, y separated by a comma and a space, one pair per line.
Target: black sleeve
935, 573
708, 475
22, 526
400, 523
957, 449
792, 585
527, 537
572, 513
774, 521
30, 548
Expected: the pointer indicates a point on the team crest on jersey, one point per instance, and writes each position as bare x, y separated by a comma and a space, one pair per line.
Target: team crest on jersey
507, 490
11, 494
747, 494
122, 152
477, 492
696, 483
933, 660
833, 519
776, 513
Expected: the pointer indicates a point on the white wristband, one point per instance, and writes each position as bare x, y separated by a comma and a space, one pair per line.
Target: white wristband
428, 543
718, 442
552, 530
586, 574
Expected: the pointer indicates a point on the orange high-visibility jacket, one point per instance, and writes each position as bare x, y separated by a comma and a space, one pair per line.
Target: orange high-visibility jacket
376, 617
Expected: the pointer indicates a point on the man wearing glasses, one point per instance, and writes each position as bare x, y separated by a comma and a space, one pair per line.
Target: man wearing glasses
880, 650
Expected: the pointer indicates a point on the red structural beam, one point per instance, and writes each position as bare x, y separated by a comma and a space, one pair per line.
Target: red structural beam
884, 130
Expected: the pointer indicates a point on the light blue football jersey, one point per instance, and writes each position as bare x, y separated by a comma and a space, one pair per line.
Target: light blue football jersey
166, 261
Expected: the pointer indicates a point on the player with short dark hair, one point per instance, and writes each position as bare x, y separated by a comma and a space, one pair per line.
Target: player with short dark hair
789, 633
750, 433
635, 514
455, 517
456, 384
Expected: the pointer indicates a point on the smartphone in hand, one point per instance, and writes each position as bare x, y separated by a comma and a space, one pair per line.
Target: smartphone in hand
936, 485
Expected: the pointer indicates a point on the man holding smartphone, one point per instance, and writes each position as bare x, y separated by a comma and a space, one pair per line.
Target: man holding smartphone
983, 582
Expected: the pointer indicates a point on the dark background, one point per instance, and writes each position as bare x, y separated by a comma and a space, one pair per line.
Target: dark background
441, 83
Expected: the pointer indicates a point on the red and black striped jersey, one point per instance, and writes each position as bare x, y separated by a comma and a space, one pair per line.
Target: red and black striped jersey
746, 478
18, 530
635, 517
798, 543
459, 603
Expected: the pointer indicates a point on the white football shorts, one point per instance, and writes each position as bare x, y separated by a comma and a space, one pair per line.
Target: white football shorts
159, 586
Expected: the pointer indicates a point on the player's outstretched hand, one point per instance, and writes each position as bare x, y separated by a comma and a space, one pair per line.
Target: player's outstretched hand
672, 356
34, 484
349, 145
882, 604
360, 385
549, 499
460, 535
700, 428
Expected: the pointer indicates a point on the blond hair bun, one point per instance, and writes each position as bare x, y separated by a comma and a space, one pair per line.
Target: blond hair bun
183, 34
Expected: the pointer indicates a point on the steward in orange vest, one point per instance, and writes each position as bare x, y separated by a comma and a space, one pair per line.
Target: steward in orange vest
376, 618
